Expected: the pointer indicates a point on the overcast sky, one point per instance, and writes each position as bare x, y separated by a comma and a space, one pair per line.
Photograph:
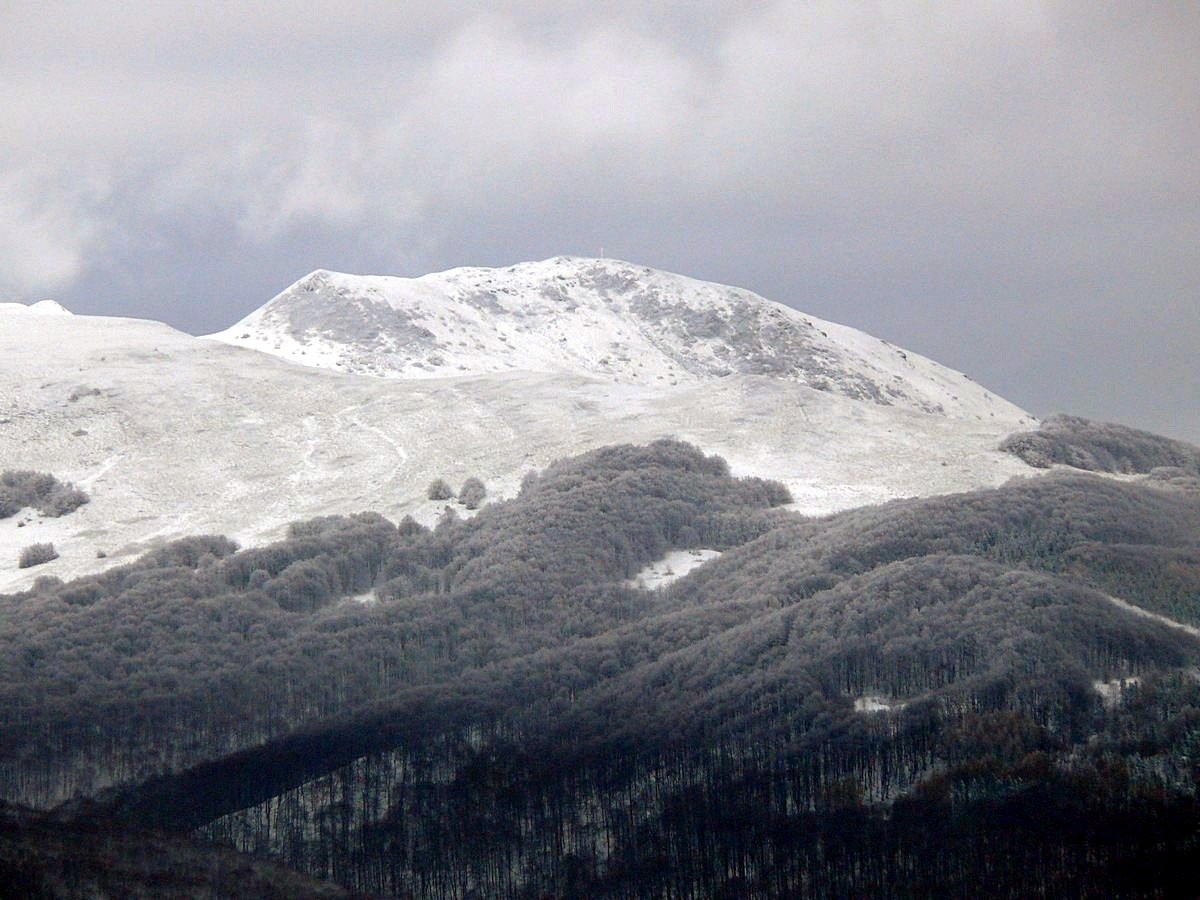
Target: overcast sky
1011, 188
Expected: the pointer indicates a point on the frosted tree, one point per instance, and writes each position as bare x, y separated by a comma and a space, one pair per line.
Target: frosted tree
439, 489
472, 493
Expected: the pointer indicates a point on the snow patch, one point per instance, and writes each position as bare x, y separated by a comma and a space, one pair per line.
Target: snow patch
671, 568
1110, 691
876, 703
50, 308
41, 308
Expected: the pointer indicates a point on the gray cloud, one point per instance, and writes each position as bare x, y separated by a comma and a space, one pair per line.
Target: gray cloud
1010, 188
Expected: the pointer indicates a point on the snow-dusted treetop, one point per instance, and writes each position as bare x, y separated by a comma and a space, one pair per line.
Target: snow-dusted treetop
598, 318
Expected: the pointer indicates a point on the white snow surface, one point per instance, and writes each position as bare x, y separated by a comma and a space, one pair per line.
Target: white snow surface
671, 568
174, 435
41, 308
875, 703
1111, 691
596, 318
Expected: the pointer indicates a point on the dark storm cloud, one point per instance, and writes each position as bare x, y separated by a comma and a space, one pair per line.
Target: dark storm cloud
1010, 188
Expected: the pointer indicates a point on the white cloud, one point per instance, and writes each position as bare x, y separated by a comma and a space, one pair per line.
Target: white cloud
46, 230
975, 110
495, 114
313, 176
492, 121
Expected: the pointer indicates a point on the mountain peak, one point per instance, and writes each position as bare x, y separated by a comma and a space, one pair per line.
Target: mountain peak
602, 319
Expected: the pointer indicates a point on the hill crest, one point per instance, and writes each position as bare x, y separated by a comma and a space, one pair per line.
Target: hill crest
596, 318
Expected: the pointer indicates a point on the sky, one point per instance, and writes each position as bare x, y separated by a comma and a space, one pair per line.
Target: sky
1011, 188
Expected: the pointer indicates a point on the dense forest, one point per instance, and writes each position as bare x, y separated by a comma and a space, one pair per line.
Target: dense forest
996, 688
45, 857
1103, 447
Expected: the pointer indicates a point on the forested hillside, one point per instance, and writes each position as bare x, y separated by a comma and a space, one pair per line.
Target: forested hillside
996, 688
197, 650
43, 857
1103, 447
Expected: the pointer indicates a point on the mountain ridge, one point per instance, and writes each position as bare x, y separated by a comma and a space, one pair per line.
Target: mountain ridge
173, 434
599, 318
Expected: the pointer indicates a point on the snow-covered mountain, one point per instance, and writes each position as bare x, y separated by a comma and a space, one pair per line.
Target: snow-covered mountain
174, 435
594, 318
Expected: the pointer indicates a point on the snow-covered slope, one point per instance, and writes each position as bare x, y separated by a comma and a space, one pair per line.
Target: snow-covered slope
175, 435
594, 318
41, 308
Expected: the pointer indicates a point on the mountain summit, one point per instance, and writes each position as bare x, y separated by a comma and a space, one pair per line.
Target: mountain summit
488, 373
596, 318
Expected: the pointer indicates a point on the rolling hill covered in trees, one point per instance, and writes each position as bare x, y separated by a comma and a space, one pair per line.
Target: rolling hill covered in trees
43, 857
1103, 447
997, 687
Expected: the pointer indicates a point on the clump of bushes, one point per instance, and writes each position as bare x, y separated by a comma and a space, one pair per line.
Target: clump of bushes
35, 555
439, 489
44, 492
472, 493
